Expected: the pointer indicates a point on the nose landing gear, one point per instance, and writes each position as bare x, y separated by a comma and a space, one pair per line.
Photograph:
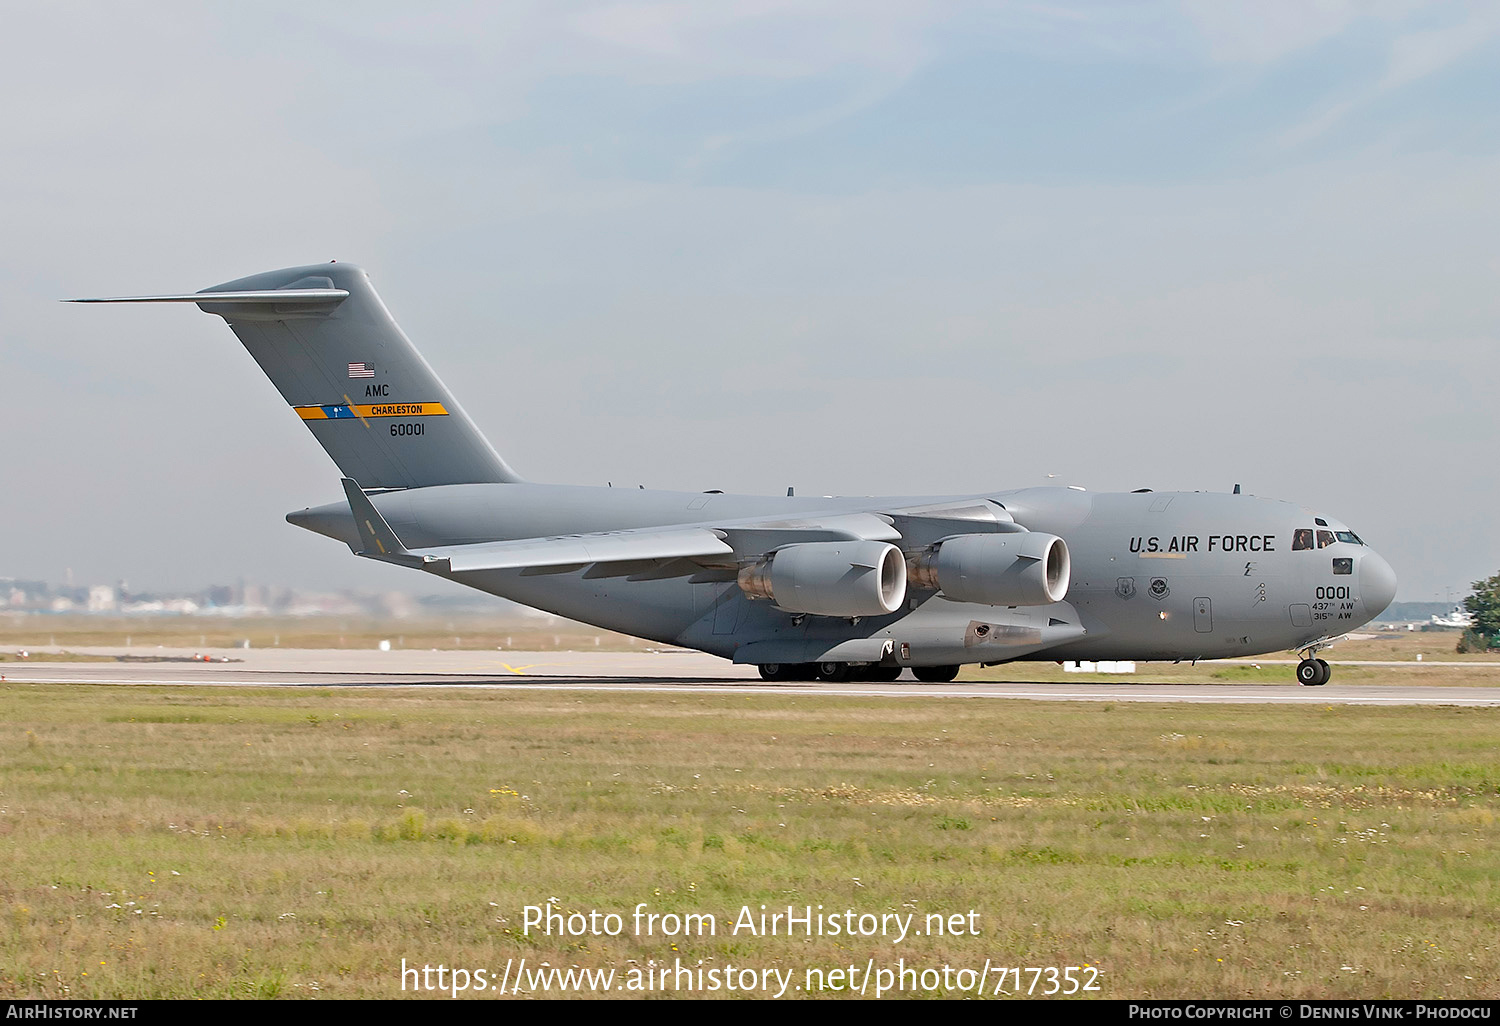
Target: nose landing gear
1313, 672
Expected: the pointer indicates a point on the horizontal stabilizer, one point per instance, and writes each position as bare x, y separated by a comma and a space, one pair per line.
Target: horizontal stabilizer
276, 296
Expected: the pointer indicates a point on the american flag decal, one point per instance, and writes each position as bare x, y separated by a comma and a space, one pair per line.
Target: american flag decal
361, 370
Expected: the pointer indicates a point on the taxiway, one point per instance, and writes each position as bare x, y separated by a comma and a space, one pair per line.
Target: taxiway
670, 671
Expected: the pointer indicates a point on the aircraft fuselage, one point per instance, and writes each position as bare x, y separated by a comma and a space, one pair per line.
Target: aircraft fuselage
1155, 575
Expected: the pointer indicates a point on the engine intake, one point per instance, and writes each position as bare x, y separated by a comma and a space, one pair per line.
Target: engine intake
1021, 569
853, 578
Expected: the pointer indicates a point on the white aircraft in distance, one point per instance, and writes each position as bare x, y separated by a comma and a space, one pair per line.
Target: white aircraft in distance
1458, 617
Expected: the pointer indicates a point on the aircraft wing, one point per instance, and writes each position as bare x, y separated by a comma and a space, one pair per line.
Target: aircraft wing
581, 549
379, 541
696, 545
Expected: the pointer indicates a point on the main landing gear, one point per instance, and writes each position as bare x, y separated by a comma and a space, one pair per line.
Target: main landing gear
836, 672
1313, 672
831, 672
788, 671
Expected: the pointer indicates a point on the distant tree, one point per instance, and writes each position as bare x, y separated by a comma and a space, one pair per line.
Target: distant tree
1484, 604
1473, 641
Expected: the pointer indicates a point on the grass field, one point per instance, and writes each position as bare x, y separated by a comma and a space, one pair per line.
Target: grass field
466, 631
293, 843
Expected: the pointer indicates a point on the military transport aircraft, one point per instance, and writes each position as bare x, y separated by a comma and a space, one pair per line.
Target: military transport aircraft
801, 587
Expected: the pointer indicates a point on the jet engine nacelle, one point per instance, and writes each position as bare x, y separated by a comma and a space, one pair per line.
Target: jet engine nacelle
1021, 569
837, 578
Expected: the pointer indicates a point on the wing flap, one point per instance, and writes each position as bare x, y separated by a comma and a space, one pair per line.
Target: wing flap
581, 549
759, 536
921, 526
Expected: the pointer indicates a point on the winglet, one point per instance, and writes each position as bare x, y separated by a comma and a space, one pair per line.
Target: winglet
376, 538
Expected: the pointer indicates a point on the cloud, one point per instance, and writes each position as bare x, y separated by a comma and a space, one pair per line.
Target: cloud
1412, 56
1263, 31
765, 38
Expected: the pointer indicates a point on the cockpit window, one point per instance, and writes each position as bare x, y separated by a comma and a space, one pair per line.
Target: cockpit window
1325, 539
1348, 536
1302, 538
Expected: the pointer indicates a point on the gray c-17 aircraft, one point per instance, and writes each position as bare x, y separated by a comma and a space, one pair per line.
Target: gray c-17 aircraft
801, 587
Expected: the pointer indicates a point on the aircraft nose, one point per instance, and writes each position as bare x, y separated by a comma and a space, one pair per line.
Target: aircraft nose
1377, 583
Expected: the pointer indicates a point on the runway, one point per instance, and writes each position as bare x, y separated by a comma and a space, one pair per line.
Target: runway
660, 672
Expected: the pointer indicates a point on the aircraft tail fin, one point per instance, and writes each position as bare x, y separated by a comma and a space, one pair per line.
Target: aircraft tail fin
330, 346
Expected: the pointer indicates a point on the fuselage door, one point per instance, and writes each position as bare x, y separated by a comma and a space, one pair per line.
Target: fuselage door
1203, 615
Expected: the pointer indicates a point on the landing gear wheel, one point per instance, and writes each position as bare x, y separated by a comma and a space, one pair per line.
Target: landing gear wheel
935, 674
884, 674
833, 673
788, 671
1312, 672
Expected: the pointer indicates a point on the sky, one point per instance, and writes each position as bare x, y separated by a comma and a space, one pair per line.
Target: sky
851, 246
